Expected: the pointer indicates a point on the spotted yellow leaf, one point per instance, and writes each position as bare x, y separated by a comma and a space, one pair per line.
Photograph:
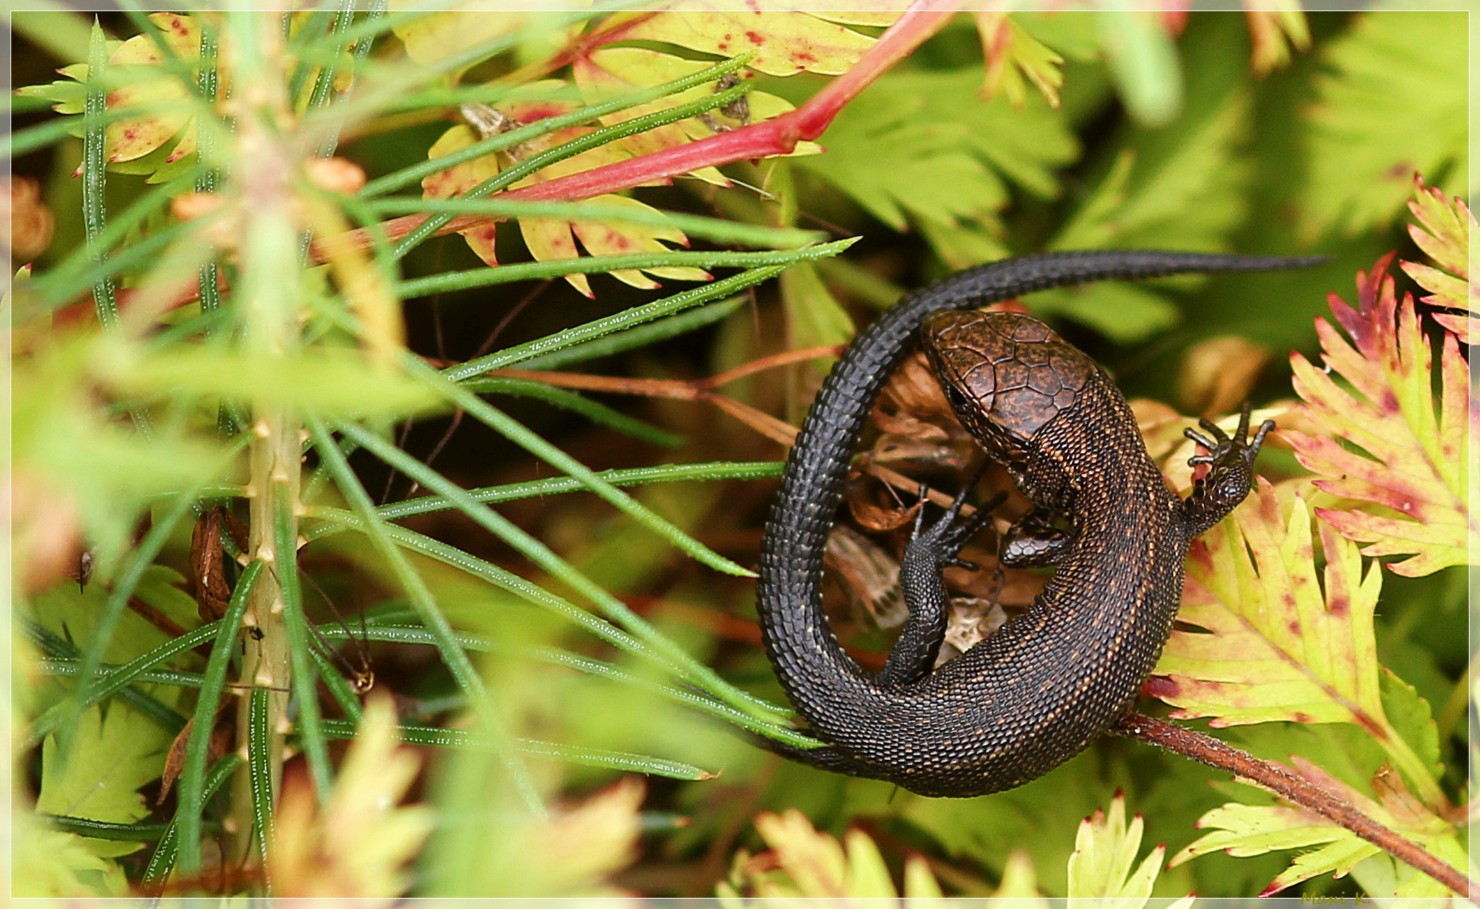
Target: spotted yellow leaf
784, 41
550, 239
456, 180
160, 94
1277, 640
609, 71
460, 33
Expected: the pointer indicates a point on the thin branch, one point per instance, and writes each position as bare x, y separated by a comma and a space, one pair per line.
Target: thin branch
1295, 789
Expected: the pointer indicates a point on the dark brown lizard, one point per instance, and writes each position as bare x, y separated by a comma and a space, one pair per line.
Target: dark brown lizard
1055, 677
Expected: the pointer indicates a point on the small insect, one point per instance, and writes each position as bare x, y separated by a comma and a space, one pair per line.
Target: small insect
84, 571
737, 110
360, 673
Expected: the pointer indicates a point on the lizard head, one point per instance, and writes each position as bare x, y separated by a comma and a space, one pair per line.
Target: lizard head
1006, 375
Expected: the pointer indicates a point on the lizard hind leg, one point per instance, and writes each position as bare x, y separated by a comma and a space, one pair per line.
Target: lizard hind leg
930, 550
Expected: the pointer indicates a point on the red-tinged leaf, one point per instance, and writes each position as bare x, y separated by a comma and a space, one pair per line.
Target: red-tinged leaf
1103, 865
1383, 442
784, 41
802, 862
625, 238
1443, 233
358, 839
454, 181
1276, 31
1278, 643
1279, 640
1015, 59
149, 85
609, 71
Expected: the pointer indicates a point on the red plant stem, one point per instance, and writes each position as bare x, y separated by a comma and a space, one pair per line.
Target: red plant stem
778, 136
766, 139
1293, 788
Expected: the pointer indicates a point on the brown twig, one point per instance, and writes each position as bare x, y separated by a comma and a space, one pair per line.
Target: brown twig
1295, 789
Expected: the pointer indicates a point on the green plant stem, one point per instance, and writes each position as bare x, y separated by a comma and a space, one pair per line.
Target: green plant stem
621, 477
94, 174
457, 662
162, 862
263, 758
268, 295
193, 769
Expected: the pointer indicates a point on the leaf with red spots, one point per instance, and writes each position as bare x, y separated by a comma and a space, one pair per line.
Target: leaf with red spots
1277, 639
613, 71
1443, 233
1384, 440
160, 137
550, 239
454, 181
1280, 640
784, 41
151, 87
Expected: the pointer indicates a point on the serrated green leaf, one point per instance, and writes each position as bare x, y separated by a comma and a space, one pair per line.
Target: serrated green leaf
112, 753
1148, 178
58, 864
1245, 830
956, 170
1015, 59
814, 316
1103, 863
1442, 231
1404, 69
